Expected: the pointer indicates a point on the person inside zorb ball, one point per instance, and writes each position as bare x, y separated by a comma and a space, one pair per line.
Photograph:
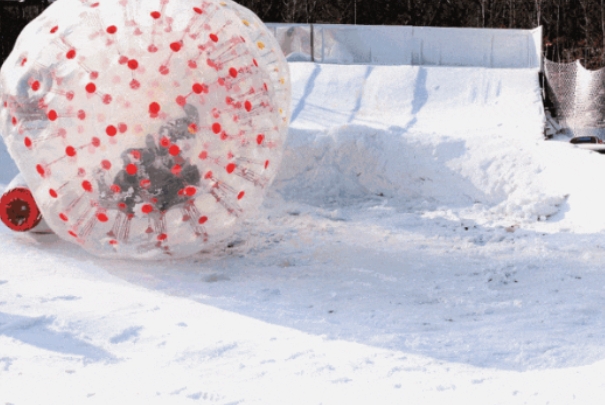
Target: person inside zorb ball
145, 128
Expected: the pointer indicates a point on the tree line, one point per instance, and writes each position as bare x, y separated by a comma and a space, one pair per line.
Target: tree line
14, 15
573, 29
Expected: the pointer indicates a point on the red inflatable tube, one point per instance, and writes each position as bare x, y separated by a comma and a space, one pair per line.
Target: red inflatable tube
19, 211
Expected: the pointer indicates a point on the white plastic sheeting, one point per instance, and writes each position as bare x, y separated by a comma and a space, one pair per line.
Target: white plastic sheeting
294, 40
408, 45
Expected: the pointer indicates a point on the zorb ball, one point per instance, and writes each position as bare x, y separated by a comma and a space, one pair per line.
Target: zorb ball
145, 128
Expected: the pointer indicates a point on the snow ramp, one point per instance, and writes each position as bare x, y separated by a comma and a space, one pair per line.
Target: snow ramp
434, 138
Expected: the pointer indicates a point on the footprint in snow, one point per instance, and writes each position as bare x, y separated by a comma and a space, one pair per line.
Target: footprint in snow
127, 334
213, 278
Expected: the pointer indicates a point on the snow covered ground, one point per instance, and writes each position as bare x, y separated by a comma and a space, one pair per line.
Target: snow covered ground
423, 244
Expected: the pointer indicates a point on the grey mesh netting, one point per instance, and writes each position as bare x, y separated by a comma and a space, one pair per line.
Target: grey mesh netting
578, 96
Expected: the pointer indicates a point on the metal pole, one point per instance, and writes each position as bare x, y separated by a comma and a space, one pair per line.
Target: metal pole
312, 44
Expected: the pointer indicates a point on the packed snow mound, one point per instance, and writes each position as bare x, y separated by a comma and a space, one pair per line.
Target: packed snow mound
467, 139
146, 129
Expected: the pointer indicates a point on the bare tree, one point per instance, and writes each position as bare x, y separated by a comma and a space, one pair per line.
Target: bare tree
602, 32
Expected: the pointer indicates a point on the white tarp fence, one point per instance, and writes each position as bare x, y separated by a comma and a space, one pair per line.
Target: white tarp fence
408, 45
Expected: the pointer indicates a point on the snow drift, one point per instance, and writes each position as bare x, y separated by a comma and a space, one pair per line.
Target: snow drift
429, 137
